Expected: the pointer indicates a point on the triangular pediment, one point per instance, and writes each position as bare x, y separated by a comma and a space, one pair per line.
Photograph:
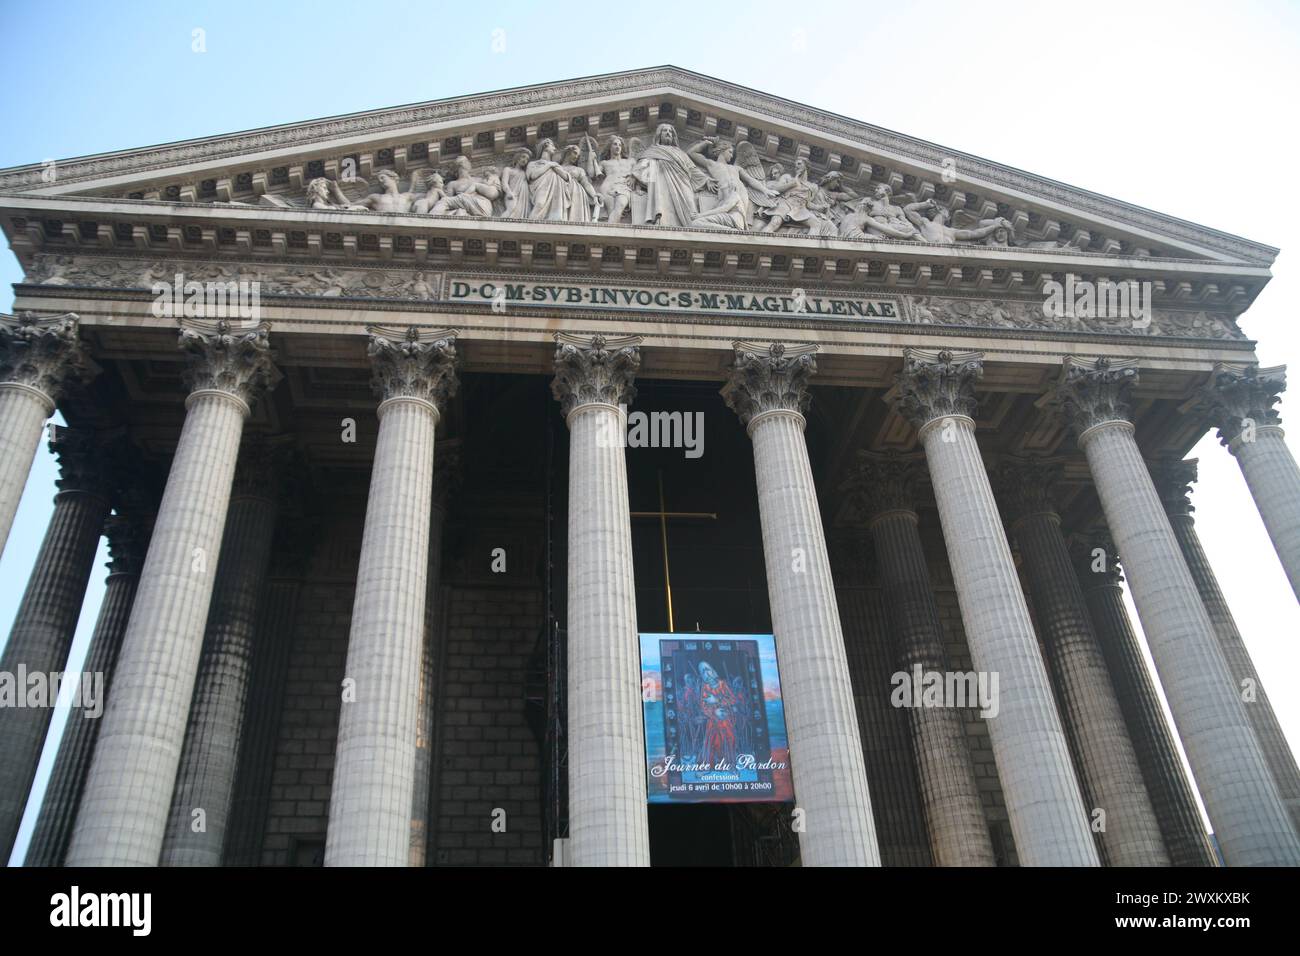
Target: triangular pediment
273, 167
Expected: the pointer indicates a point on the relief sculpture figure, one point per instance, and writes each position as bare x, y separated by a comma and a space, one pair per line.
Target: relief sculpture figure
671, 180
548, 184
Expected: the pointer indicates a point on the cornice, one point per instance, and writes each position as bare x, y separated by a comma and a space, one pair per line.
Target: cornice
658, 80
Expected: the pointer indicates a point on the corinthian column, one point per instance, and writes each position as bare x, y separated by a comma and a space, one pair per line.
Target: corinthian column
1245, 810
937, 395
124, 809
47, 617
374, 766
1173, 482
291, 552
205, 780
38, 355
1104, 757
1240, 400
127, 541
768, 389
1171, 793
606, 740
959, 834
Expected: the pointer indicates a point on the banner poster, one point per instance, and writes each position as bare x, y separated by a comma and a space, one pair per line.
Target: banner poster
714, 720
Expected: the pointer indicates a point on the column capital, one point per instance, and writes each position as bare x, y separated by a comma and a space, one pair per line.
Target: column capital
769, 378
1173, 478
1241, 396
1094, 392
222, 358
1026, 486
413, 364
884, 482
43, 353
128, 543
83, 460
594, 370
937, 384
1095, 558
261, 460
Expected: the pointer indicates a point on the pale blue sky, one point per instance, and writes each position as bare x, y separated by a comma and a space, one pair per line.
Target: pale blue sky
1187, 108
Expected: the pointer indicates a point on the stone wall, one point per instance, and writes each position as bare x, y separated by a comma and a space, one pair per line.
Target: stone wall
486, 757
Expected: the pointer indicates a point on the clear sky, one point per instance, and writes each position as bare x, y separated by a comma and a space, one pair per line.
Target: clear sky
1165, 105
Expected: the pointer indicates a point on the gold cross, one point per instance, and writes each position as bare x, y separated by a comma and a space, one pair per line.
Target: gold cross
663, 517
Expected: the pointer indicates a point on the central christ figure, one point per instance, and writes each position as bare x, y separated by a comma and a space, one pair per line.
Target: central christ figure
671, 180
717, 703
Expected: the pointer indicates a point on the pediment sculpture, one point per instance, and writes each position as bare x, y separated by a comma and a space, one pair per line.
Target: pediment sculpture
711, 184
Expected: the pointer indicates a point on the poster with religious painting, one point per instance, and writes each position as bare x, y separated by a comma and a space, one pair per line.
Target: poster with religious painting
714, 720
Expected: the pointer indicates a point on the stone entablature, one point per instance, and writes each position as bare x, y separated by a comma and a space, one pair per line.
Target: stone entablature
671, 295
39, 227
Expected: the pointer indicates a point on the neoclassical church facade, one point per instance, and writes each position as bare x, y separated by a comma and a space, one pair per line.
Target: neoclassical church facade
350, 400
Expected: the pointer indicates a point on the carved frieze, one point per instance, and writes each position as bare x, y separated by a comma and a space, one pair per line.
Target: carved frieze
1024, 315
404, 283
326, 281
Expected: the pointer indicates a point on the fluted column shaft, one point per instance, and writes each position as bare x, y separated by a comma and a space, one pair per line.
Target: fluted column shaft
53, 830
37, 357
607, 789
830, 778
1173, 481
205, 780
1249, 821
1239, 399
124, 809
1048, 819
959, 833
23, 412
374, 772
1047, 816
374, 767
896, 805
1274, 480
266, 689
1107, 765
42, 634
768, 388
1170, 791
606, 739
